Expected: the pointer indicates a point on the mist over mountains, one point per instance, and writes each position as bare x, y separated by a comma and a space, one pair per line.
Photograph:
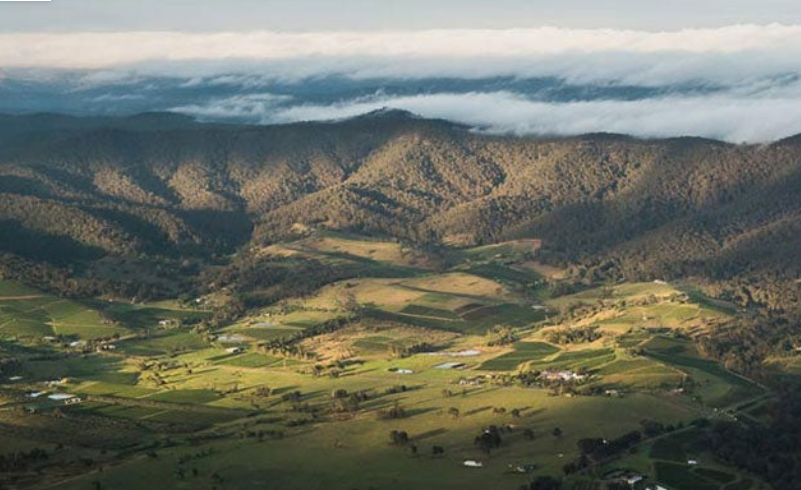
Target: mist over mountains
737, 83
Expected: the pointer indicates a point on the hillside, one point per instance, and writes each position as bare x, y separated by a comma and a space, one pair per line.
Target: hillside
76, 192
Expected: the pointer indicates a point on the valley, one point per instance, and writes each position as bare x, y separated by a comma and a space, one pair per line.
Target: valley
395, 371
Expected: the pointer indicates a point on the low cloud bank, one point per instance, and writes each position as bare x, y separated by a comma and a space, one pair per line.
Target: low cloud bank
737, 83
737, 120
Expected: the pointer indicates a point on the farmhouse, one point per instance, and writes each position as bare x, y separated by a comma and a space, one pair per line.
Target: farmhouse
470, 463
59, 397
230, 338
565, 375
235, 350
634, 479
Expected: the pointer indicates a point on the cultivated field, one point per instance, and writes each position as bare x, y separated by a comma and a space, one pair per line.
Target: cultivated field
306, 393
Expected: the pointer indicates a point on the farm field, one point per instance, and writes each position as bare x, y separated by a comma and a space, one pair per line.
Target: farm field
306, 392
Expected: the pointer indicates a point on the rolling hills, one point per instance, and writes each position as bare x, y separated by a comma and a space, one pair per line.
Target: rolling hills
80, 193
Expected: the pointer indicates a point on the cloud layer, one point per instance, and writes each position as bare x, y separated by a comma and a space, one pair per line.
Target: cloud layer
738, 83
99, 50
718, 117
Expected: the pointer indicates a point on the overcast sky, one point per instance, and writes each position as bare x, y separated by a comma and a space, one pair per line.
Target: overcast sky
317, 15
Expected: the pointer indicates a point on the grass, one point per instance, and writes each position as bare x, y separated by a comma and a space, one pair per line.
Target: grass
450, 310
14, 288
742, 484
194, 397
249, 360
670, 449
715, 475
161, 343
496, 272
523, 352
681, 477
28, 313
363, 459
716, 385
428, 311
138, 317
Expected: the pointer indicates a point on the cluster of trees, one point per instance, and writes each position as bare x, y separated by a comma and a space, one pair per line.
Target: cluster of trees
22, 460
745, 343
501, 335
401, 351
344, 402
290, 346
396, 411
399, 437
574, 335
489, 439
772, 451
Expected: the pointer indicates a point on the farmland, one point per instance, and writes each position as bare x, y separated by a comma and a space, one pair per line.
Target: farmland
305, 392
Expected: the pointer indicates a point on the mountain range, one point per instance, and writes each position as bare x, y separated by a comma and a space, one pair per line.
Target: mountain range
165, 192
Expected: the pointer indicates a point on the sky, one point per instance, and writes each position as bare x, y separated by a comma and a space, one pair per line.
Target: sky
326, 15
724, 69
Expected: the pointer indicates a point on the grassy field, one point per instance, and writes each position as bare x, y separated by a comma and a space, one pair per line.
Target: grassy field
25, 312
715, 386
523, 352
177, 407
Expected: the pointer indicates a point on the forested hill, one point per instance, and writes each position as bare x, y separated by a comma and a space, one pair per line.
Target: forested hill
77, 192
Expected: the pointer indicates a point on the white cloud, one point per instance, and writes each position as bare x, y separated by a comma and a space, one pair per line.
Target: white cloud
755, 72
252, 107
99, 50
730, 119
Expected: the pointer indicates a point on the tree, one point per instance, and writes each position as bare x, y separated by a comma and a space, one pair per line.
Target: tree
399, 437
557, 432
453, 412
489, 439
546, 483
501, 335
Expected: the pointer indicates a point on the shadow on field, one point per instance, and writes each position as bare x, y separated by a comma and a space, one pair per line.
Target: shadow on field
478, 410
430, 433
419, 411
285, 389
528, 412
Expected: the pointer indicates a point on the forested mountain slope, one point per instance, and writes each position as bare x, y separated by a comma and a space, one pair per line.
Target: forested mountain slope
163, 187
